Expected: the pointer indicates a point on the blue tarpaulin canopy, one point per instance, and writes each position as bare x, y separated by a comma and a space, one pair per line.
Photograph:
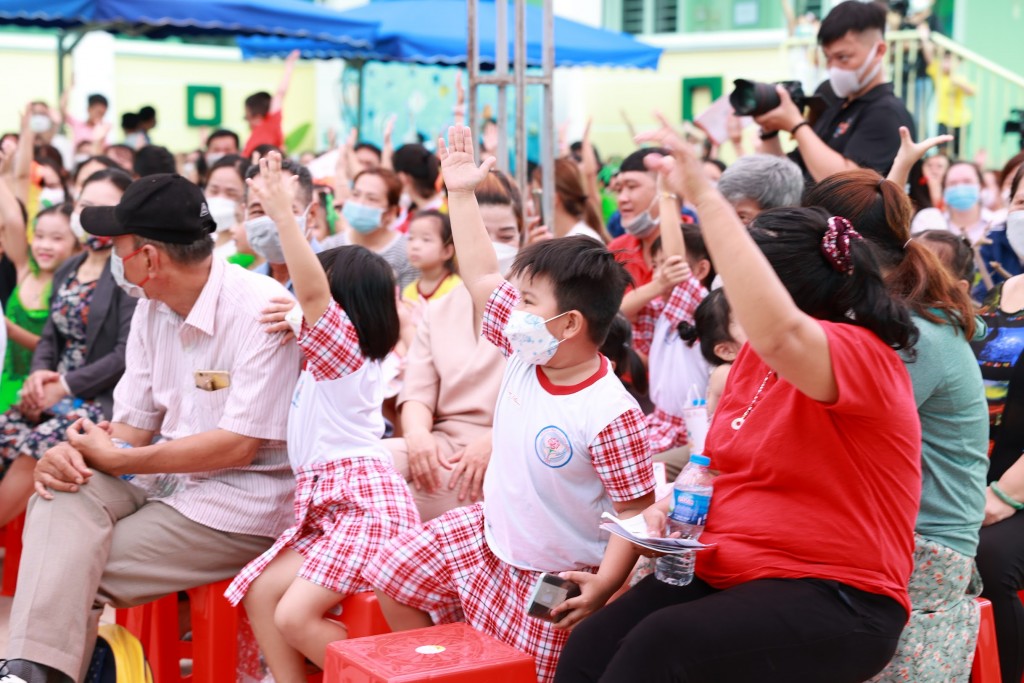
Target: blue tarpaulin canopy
435, 33
166, 18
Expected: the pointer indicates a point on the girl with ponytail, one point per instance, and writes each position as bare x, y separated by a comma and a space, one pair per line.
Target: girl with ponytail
817, 443
951, 405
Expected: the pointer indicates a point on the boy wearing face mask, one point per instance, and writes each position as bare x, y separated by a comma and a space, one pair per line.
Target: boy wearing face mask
860, 127
569, 443
262, 234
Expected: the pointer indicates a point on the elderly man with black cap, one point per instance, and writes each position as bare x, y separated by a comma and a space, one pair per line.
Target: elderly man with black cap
122, 517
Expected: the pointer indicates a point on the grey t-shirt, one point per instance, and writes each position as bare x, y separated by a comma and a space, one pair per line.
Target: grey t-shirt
951, 403
394, 253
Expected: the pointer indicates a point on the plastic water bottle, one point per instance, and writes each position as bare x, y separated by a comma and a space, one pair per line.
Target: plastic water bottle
691, 498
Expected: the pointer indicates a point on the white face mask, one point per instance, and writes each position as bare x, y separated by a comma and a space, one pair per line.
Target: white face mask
51, 196
1015, 232
506, 254
117, 271
846, 82
643, 225
222, 210
76, 227
529, 337
264, 239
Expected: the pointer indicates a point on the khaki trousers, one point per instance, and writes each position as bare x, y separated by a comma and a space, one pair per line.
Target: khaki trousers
105, 545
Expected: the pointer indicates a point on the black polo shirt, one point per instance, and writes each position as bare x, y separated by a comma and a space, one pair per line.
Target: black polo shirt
866, 131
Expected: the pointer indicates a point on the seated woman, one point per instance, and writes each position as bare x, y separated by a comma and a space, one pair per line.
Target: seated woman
817, 442
1001, 549
80, 355
954, 425
452, 376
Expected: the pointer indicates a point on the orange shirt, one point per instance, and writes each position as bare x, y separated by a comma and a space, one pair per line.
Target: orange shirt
266, 133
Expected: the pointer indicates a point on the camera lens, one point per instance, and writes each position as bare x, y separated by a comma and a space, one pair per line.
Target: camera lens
750, 98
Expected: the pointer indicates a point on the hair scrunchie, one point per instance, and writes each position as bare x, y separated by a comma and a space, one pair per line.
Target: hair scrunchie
836, 244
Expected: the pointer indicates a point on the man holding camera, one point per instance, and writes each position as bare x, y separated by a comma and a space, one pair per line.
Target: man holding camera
860, 126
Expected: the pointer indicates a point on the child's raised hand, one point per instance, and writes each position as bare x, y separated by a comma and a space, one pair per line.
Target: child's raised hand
275, 193
693, 181
458, 167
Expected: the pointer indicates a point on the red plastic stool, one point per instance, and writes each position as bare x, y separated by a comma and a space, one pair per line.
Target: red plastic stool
362, 617
214, 645
450, 653
985, 668
12, 555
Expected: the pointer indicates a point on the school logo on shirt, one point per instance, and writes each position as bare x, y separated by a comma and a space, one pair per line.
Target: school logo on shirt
552, 447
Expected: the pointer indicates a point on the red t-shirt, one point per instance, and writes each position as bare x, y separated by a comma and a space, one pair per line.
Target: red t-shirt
809, 490
630, 253
266, 133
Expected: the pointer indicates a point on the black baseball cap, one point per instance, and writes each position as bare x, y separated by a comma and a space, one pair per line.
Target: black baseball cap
164, 207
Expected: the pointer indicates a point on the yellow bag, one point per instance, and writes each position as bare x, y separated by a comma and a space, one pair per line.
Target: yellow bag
118, 658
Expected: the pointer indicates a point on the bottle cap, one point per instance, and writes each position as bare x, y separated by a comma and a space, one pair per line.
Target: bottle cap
698, 459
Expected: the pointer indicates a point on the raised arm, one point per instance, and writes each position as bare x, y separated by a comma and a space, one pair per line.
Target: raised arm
23, 157
277, 102
276, 194
791, 342
13, 237
478, 264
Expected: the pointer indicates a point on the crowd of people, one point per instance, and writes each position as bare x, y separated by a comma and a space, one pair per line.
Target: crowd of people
395, 377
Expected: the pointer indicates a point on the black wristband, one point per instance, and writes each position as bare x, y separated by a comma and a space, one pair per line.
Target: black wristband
769, 135
798, 127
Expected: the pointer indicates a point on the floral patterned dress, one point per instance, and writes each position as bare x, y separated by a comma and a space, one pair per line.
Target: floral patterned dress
22, 436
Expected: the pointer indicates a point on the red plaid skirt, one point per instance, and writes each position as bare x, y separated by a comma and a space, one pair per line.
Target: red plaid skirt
666, 431
446, 568
345, 510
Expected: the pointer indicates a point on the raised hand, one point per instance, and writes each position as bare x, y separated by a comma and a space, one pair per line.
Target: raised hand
688, 173
458, 165
275, 193
910, 153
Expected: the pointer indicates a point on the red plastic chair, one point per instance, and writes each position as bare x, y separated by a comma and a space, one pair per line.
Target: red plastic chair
985, 668
12, 555
215, 626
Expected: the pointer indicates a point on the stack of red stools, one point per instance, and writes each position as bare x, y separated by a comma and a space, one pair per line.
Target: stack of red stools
215, 626
450, 653
12, 554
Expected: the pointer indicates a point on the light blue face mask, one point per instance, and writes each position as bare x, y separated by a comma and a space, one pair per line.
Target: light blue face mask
363, 219
962, 197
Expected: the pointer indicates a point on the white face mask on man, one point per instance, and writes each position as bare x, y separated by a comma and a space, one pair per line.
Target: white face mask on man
846, 82
264, 239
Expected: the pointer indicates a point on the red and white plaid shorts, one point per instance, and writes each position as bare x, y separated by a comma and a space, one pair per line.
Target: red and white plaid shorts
446, 568
666, 431
345, 510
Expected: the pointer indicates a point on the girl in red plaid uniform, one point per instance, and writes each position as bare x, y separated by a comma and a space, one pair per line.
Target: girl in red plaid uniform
569, 444
349, 498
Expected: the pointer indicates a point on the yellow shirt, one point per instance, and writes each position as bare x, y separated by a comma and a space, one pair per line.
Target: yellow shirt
951, 110
413, 295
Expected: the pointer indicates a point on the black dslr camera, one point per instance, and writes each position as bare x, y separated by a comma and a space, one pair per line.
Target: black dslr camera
751, 98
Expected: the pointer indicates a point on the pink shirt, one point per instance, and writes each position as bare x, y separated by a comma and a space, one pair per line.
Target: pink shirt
158, 393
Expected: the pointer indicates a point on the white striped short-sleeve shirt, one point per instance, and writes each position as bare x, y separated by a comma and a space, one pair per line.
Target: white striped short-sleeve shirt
158, 393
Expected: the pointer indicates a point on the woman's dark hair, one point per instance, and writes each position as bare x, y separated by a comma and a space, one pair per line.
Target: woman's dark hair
954, 252
710, 326
963, 162
918, 192
1015, 183
498, 189
572, 193
695, 248
618, 348
106, 161
881, 212
420, 164
363, 284
239, 163
116, 176
791, 240
445, 224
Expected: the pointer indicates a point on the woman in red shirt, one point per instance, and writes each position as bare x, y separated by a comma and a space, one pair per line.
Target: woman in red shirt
817, 442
